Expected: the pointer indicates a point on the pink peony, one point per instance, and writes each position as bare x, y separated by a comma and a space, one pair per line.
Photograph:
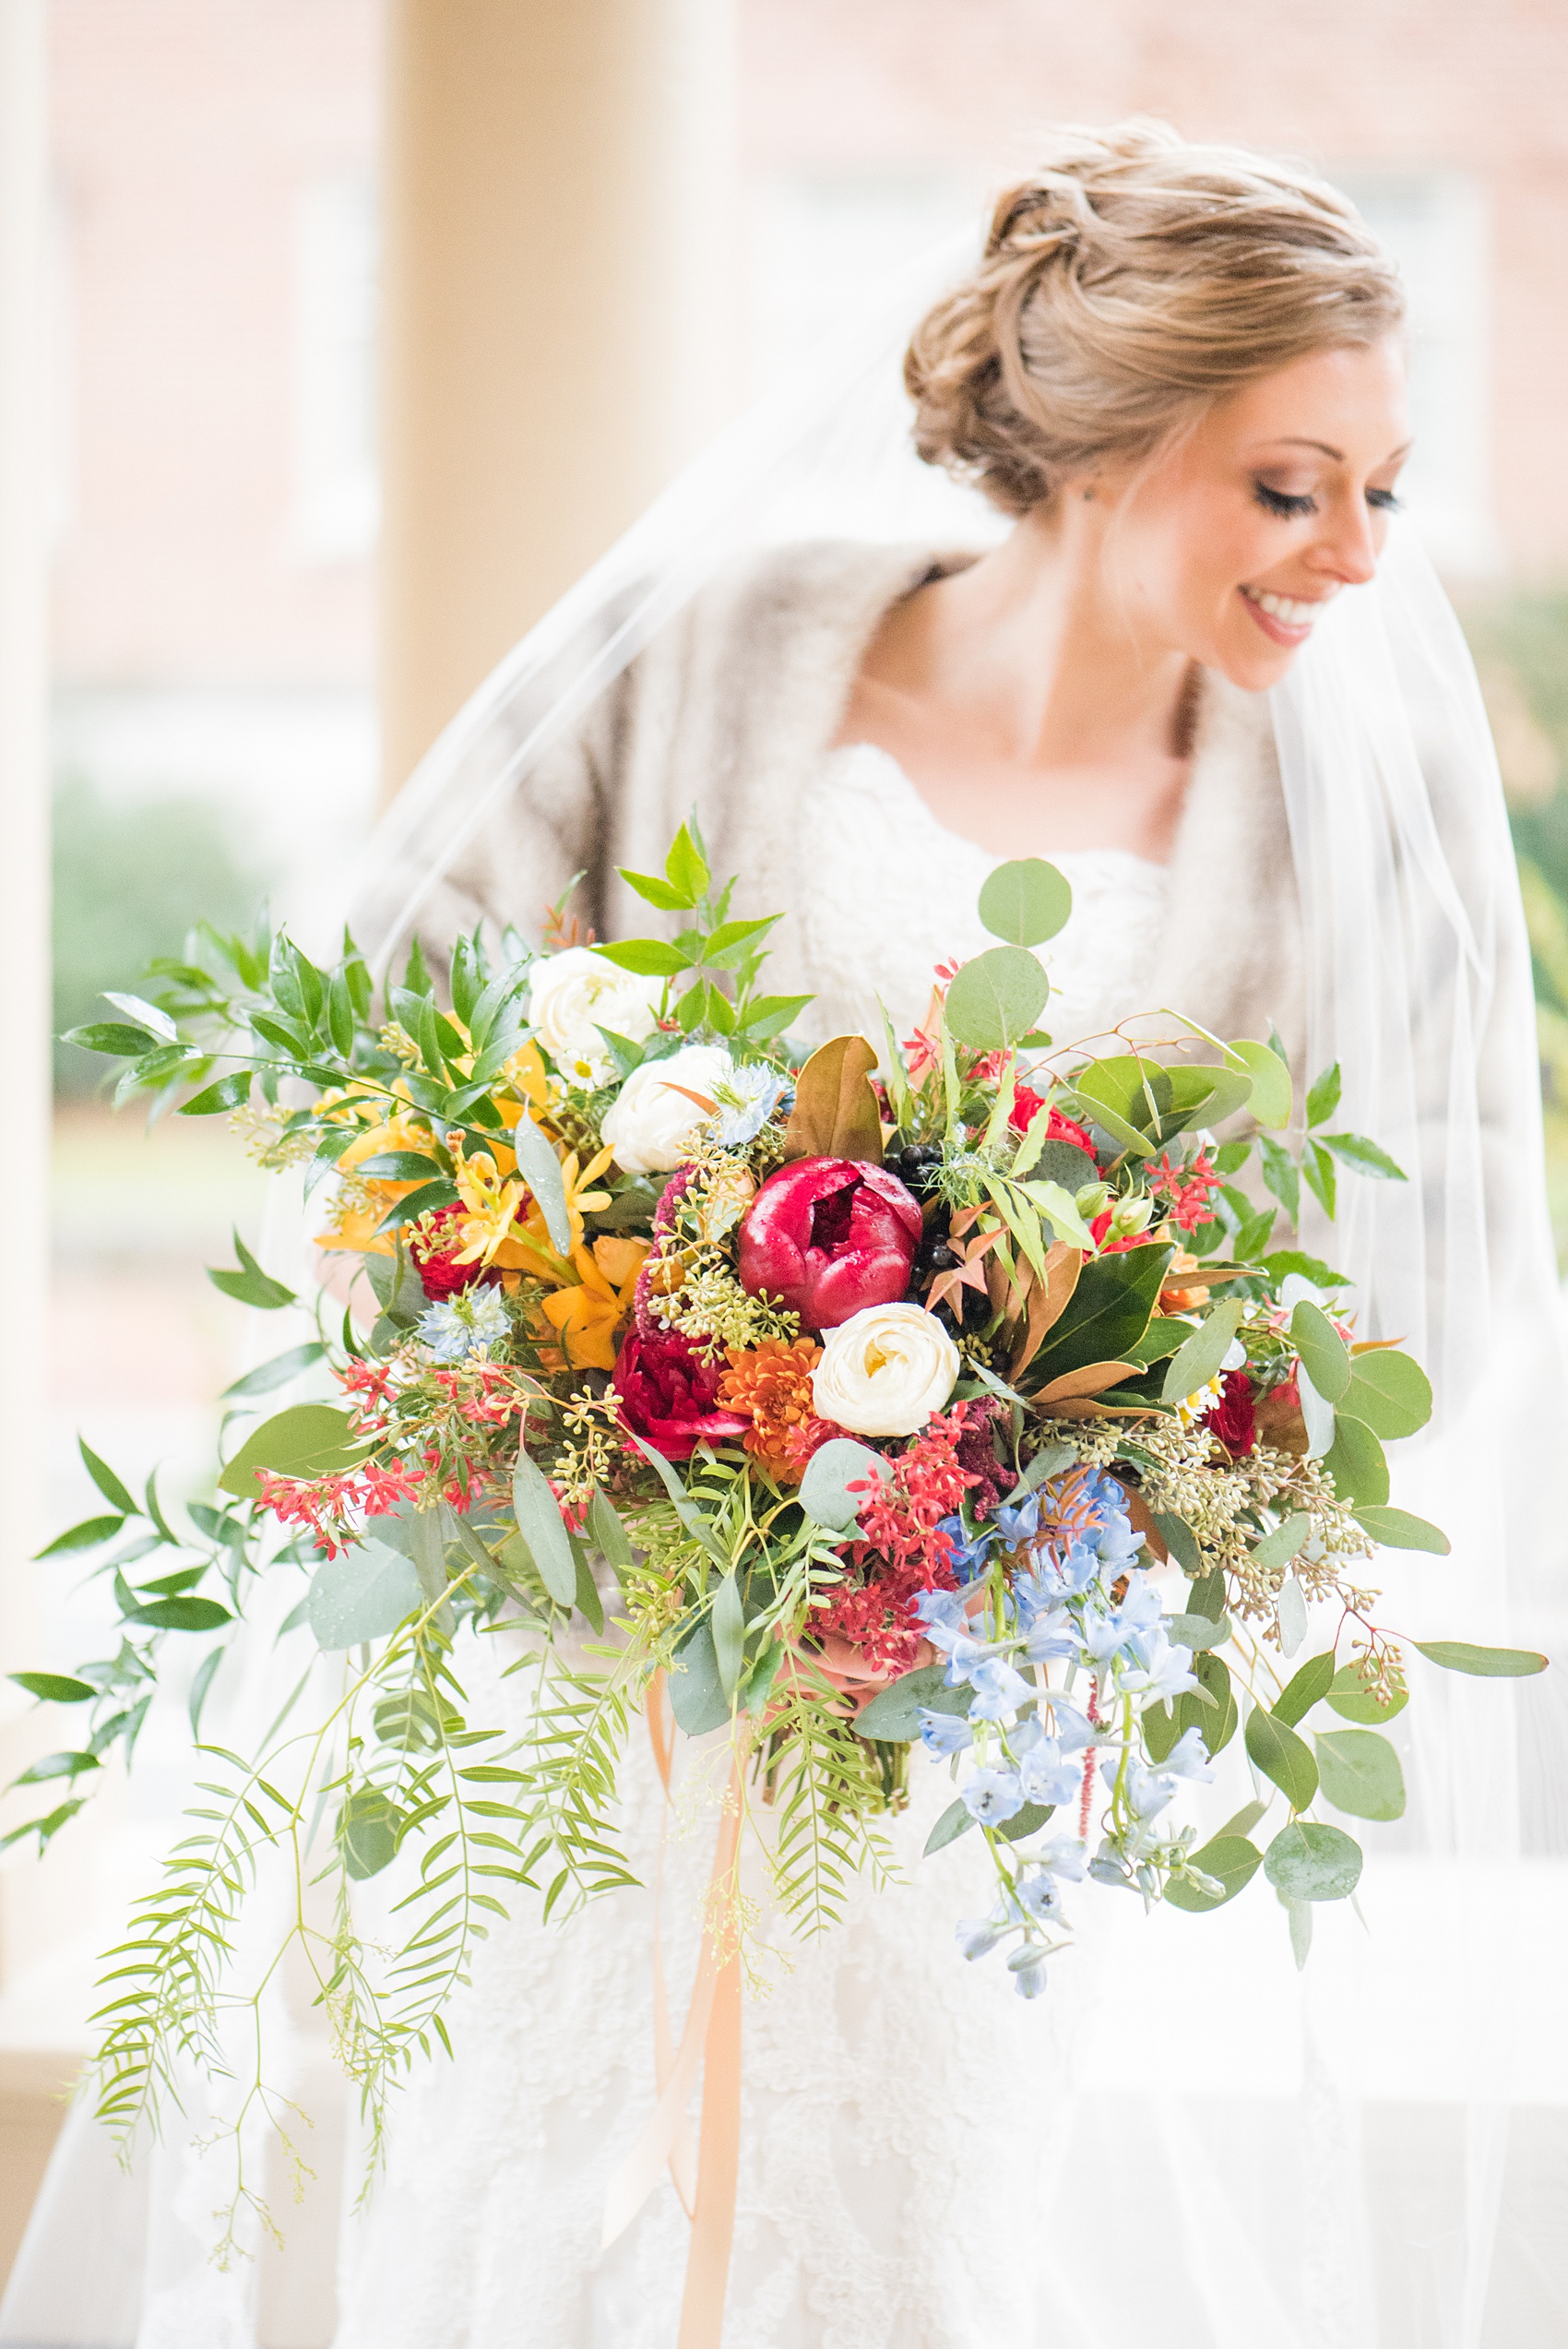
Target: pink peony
829, 1235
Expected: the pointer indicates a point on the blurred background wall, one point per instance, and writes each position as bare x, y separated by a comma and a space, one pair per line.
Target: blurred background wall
310, 271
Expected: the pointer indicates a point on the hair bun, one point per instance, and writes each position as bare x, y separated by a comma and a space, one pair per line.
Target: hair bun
1131, 279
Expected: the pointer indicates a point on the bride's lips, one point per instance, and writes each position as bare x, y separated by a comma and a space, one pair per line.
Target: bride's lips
1291, 631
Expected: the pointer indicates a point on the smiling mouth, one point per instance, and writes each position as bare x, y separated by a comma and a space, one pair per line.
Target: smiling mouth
1287, 613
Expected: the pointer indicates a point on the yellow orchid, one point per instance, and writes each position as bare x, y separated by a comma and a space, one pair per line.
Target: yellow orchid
587, 1314
492, 1198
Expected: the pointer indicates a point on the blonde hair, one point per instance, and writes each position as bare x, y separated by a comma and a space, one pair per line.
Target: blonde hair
1127, 285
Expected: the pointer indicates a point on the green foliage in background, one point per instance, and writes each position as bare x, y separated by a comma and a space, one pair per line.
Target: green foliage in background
129, 881
1520, 641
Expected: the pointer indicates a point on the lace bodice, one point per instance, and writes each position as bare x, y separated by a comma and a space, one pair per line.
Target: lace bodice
893, 895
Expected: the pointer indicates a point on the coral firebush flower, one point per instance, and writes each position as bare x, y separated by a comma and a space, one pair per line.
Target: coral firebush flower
829, 1236
1187, 1189
771, 1382
903, 1550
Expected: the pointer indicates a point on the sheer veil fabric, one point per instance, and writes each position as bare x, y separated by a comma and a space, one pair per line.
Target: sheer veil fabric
1362, 2155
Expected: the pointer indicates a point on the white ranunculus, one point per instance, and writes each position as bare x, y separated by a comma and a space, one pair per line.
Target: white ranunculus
885, 1370
651, 1124
574, 994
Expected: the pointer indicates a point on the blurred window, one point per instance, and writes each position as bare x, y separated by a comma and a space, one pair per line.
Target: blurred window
337, 492
824, 241
1434, 224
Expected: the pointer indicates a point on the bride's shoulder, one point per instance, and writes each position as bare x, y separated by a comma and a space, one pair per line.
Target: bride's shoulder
807, 587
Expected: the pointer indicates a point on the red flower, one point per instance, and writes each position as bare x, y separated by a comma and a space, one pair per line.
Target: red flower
433, 1244
829, 1235
1233, 1418
1101, 1225
668, 1395
1027, 1106
1187, 1189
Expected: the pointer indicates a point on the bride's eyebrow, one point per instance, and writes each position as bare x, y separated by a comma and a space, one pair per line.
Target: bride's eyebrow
1296, 440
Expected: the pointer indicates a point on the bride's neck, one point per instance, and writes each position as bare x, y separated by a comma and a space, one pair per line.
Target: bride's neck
1033, 648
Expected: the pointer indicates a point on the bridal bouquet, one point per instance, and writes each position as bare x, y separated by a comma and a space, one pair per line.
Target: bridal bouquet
968, 1405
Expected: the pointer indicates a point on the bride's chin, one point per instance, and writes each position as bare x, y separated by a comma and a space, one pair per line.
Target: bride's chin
1253, 668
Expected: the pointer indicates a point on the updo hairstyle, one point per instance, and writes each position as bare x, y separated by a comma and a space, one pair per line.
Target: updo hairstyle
1126, 285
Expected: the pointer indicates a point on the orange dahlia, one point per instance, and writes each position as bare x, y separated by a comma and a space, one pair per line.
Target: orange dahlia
771, 1384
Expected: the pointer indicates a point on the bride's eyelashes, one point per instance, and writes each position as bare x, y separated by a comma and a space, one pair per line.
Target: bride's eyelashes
1291, 508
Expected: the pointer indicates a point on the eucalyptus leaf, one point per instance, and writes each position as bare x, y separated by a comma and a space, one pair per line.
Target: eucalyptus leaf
310, 1439
1389, 1392
1271, 1096
1280, 1547
956, 1821
1398, 1530
697, 1696
1026, 901
1355, 1462
1353, 1701
540, 1524
1198, 1359
540, 1170
1309, 1861
1290, 1612
1324, 1355
893, 1716
1230, 1859
728, 1633
363, 1593
1196, 1631
1360, 1773
825, 1494
1483, 1664
367, 1832
1282, 1757
1311, 1681
996, 999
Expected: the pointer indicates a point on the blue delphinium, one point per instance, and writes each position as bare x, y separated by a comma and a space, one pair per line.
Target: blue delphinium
993, 1796
469, 1323
944, 1733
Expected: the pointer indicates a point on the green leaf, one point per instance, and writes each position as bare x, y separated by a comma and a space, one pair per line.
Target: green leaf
656, 893
825, 1494
728, 1633
589, 1605
1395, 1529
341, 1014
111, 1037
205, 1675
50, 1766
180, 1615
250, 1284
1323, 1352
1281, 1262
310, 1439
730, 942
649, 958
1360, 1773
543, 1530
1026, 901
1282, 1757
54, 1687
1317, 1169
400, 1166
1388, 1392
1198, 1632
1232, 1860
1484, 1664
1271, 1099
686, 867
1210, 1709
363, 1593
608, 1528
1355, 1150
276, 1373
108, 1483
697, 1696
229, 1092
956, 1821
540, 1170
1180, 1539
1198, 1360
367, 1832
1306, 1862
441, 1193
893, 1715
1303, 1690
1027, 1822
1110, 1308
1280, 1547
1282, 1176
85, 1536
996, 999
1355, 1462
1351, 1698
1323, 1099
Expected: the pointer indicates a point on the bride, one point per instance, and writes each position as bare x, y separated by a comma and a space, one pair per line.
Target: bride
1173, 390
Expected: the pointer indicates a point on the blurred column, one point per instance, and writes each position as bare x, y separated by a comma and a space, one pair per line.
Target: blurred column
560, 325
24, 811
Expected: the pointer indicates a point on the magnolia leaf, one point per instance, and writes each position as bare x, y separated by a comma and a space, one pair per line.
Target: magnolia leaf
1026, 901
1360, 1773
1306, 1862
1484, 1664
824, 1492
835, 1113
995, 999
1092, 1379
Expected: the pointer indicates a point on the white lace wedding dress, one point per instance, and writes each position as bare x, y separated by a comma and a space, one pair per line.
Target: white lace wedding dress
905, 2116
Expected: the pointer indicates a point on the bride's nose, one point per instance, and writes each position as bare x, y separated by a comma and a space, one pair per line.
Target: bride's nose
1348, 550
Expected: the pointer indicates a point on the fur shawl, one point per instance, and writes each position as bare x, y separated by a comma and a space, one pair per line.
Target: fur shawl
730, 707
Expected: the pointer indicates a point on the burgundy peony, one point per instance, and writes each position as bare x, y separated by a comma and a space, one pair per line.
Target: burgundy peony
1233, 1418
669, 1396
829, 1235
